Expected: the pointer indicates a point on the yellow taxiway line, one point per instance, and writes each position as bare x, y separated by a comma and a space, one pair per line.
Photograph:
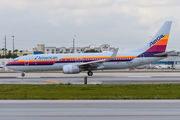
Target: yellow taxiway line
54, 81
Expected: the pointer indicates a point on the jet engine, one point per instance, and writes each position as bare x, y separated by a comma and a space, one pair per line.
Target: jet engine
70, 69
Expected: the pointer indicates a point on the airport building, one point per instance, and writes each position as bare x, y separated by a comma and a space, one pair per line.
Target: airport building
59, 50
172, 61
41, 49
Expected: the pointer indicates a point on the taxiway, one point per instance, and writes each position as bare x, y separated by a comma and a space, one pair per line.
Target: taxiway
97, 78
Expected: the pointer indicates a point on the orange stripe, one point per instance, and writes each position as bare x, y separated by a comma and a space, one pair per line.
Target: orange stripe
162, 42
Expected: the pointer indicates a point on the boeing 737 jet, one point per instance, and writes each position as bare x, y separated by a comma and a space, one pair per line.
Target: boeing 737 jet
77, 62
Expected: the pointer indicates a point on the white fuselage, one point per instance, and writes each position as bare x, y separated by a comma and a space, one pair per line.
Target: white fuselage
55, 62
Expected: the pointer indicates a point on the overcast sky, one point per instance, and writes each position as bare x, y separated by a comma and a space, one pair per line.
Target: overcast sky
127, 24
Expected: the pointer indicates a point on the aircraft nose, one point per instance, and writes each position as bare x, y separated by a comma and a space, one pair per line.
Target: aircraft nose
9, 64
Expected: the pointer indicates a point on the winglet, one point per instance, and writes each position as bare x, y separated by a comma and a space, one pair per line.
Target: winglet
113, 56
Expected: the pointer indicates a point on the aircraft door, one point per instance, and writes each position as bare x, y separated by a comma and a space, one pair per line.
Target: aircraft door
141, 59
142, 56
81, 59
26, 62
76, 60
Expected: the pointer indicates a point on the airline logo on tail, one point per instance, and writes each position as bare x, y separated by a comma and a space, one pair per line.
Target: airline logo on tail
156, 40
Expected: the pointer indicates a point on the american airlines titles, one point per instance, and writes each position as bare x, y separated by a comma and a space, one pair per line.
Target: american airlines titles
50, 57
156, 40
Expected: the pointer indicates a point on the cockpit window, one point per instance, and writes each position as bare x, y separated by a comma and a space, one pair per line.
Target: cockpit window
15, 60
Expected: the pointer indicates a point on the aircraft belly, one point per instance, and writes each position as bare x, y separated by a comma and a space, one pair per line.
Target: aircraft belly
115, 65
38, 67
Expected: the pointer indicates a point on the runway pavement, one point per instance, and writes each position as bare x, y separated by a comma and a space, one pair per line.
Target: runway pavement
97, 78
90, 109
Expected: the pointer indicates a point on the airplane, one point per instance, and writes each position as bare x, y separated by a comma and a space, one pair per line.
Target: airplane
77, 62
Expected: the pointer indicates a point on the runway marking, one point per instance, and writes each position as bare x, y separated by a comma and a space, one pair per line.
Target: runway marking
54, 81
86, 115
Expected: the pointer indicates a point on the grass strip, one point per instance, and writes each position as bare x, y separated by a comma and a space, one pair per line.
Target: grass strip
99, 91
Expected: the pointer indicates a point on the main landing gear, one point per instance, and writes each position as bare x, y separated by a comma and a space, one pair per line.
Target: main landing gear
23, 74
90, 73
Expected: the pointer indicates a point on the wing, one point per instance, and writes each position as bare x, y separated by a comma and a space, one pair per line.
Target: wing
98, 63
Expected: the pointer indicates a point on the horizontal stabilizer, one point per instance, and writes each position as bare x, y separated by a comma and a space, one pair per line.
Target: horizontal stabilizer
163, 54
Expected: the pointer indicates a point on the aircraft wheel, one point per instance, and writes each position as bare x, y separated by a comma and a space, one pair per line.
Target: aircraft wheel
23, 74
90, 73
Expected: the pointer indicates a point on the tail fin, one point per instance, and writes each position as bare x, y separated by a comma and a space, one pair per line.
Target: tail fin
158, 42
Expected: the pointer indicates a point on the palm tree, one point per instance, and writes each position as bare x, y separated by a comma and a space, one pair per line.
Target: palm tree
21, 52
9, 52
16, 50
3, 50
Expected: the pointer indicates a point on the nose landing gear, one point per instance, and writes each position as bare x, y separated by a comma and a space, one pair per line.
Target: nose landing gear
23, 74
90, 73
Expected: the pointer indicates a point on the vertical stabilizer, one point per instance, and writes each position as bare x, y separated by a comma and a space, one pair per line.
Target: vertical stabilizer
158, 42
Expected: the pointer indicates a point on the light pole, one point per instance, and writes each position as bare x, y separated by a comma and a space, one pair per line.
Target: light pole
5, 45
74, 44
13, 46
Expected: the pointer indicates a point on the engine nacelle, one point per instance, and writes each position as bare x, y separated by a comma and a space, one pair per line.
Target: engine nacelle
70, 69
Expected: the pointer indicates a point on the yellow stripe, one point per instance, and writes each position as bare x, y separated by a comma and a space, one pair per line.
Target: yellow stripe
21, 60
86, 57
125, 56
25, 60
90, 57
54, 81
96, 57
166, 37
